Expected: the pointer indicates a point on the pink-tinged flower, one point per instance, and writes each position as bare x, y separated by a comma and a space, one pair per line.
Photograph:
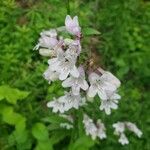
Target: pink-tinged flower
72, 25
76, 83
47, 40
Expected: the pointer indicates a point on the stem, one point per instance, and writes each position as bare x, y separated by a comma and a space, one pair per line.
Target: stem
68, 7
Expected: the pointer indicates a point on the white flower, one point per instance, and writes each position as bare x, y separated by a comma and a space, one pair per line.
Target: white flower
57, 105
64, 64
99, 84
72, 25
123, 139
90, 127
66, 102
48, 39
110, 103
66, 125
119, 127
50, 75
76, 83
132, 127
101, 130
93, 130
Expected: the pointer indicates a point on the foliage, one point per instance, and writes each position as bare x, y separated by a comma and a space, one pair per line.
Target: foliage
123, 46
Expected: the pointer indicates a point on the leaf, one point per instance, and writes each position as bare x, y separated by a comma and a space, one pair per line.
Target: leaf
59, 135
12, 94
11, 117
82, 143
40, 132
90, 31
44, 145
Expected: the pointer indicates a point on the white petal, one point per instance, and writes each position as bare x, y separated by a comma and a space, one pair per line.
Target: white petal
115, 96
75, 21
68, 20
68, 82
93, 77
63, 75
92, 91
102, 94
74, 72
84, 85
75, 90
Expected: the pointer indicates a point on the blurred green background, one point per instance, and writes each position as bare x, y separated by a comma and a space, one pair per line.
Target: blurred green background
123, 47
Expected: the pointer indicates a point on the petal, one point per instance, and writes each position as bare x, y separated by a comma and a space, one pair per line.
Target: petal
75, 21
107, 110
52, 61
92, 91
63, 75
102, 94
93, 77
74, 72
75, 90
115, 96
68, 82
68, 21
84, 85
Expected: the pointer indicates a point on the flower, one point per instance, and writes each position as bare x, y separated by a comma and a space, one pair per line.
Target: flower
76, 83
99, 84
57, 105
110, 103
72, 25
119, 127
64, 64
66, 102
90, 127
50, 75
132, 127
101, 129
97, 130
123, 139
48, 39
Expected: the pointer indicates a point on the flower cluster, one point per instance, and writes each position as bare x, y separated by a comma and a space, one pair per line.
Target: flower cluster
120, 129
84, 83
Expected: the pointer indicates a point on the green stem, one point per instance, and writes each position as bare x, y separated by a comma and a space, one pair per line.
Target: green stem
68, 7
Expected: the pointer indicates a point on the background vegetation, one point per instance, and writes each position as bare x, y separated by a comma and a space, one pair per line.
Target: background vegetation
123, 46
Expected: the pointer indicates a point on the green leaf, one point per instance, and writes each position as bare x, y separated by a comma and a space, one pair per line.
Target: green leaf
90, 31
82, 143
59, 135
44, 145
11, 117
12, 94
40, 132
